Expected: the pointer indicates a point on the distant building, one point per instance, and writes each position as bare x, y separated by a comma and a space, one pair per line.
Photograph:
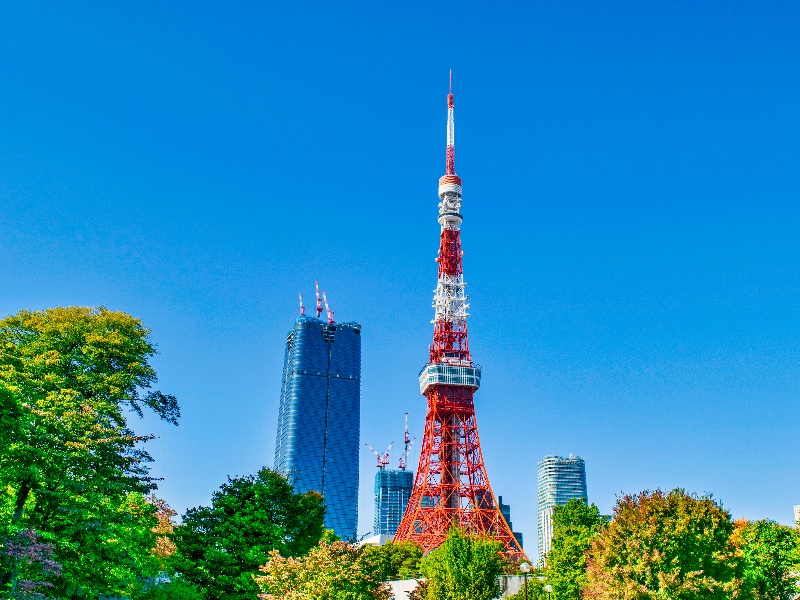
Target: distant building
505, 509
560, 480
375, 540
797, 514
317, 442
392, 491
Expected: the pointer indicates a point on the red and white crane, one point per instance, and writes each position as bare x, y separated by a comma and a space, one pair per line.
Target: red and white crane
327, 309
319, 300
383, 458
407, 443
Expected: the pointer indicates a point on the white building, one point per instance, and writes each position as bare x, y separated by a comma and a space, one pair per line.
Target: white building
797, 514
560, 480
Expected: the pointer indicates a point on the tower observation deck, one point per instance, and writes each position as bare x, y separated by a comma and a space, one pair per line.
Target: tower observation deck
451, 487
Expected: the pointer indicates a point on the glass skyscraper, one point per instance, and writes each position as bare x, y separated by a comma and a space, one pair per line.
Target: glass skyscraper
392, 491
318, 422
560, 480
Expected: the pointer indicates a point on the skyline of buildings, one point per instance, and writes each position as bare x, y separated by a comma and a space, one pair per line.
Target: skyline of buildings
559, 480
317, 440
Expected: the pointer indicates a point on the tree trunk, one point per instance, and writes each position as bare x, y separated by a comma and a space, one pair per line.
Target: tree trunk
22, 496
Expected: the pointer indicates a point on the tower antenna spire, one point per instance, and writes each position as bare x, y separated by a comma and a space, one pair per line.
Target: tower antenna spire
451, 134
319, 300
302, 308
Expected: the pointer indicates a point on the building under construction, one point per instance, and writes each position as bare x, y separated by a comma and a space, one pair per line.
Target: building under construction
392, 489
318, 422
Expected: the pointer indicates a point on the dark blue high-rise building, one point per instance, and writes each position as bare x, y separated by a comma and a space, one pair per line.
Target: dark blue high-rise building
318, 423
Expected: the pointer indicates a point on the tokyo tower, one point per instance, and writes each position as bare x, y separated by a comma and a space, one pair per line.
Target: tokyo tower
451, 487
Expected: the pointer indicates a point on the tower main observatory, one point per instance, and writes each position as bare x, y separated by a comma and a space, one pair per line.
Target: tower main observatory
451, 487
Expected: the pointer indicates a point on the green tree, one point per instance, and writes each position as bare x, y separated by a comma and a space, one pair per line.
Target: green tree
664, 546
70, 466
220, 547
399, 560
535, 590
464, 567
335, 571
771, 556
575, 527
175, 589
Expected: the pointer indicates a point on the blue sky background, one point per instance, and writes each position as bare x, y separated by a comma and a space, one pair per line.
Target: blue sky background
631, 184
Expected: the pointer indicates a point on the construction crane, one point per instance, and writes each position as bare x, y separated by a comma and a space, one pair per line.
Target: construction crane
327, 309
407, 443
319, 300
383, 459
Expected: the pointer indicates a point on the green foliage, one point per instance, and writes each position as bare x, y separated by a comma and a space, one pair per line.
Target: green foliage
771, 556
70, 466
337, 571
664, 546
394, 561
464, 567
575, 526
220, 547
176, 589
535, 590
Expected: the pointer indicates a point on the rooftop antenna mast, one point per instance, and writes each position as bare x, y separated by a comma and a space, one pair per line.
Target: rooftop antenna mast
407, 443
319, 301
302, 308
327, 309
383, 459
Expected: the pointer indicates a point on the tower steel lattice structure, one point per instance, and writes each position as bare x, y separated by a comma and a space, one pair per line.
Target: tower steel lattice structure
451, 487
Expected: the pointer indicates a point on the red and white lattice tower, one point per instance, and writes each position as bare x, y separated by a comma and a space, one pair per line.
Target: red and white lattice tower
451, 486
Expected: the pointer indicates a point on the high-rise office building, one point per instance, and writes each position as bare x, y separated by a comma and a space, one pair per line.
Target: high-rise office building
318, 423
797, 514
392, 491
560, 480
505, 509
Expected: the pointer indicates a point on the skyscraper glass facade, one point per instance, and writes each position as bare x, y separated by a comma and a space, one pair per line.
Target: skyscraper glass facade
318, 422
560, 480
392, 491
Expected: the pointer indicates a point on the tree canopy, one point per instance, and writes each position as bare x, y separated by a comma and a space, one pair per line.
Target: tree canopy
664, 545
464, 567
399, 560
575, 526
71, 467
336, 571
221, 546
771, 560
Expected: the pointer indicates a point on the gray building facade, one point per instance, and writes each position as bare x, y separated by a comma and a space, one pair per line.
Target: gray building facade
560, 480
505, 510
317, 442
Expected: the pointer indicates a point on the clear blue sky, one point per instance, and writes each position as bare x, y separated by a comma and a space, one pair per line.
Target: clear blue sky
631, 184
